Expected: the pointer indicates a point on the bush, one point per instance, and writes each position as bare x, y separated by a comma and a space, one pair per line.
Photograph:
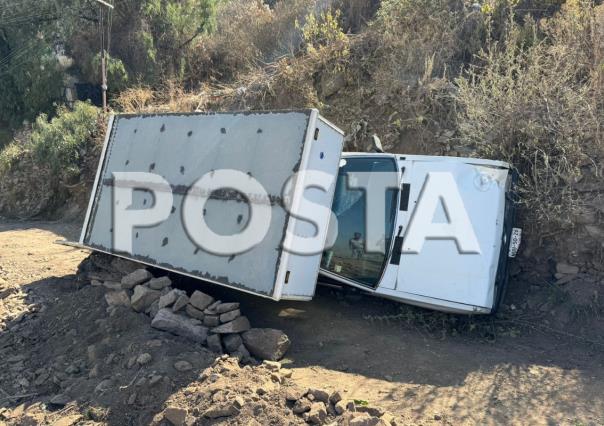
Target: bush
537, 104
248, 35
61, 142
9, 156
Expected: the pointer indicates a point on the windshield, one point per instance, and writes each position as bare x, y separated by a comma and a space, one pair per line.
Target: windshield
349, 257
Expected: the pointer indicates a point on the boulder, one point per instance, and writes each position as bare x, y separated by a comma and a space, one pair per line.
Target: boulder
135, 278
201, 300
181, 302
339, 407
242, 353
229, 316
231, 342
335, 397
211, 321
194, 312
301, 406
169, 298
143, 298
225, 410
179, 325
112, 285
266, 343
238, 325
214, 344
319, 395
176, 415
317, 413
117, 298
159, 283
222, 308
153, 309
182, 366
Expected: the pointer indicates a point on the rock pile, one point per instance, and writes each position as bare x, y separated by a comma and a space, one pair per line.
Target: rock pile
227, 393
220, 326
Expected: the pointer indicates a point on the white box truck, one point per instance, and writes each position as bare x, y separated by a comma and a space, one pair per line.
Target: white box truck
215, 169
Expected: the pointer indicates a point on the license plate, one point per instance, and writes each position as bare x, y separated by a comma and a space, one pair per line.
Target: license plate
515, 241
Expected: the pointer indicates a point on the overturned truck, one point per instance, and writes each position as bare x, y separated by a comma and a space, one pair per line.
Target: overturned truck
267, 203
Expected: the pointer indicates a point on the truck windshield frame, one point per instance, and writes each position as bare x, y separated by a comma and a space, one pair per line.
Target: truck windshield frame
348, 257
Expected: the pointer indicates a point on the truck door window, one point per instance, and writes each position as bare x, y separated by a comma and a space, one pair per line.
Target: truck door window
348, 257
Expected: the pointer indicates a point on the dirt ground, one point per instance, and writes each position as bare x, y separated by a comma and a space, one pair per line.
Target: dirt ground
53, 329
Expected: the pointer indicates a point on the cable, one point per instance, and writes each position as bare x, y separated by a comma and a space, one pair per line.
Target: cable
16, 53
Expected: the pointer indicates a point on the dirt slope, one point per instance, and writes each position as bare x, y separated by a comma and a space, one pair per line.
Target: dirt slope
57, 340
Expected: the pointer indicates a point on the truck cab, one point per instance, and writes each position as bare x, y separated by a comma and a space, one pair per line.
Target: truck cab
439, 276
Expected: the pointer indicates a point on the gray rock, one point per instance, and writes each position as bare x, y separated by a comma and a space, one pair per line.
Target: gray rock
317, 413
143, 297
273, 366
210, 310
230, 316
193, 312
370, 409
117, 298
238, 325
181, 302
319, 395
169, 298
182, 366
231, 342
226, 410
176, 415
144, 359
214, 344
153, 309
160, 283
335, 397
60, 400
201, 300
112, 285
366, 420
226, 307
167, 320
266, 343
211, 321
565, 268
293, 394
242, 353
301, 406
135, 278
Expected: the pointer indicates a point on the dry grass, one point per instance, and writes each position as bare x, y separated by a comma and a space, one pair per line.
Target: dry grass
536, 102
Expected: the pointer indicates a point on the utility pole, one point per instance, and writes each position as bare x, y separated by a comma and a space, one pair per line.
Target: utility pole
103, 52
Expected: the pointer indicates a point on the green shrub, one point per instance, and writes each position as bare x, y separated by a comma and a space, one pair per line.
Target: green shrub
9, 155
61, 142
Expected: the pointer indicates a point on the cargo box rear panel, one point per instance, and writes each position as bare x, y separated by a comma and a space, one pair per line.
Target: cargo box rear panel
269, 146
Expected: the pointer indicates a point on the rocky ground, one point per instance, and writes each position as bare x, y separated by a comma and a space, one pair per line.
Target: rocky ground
76, 348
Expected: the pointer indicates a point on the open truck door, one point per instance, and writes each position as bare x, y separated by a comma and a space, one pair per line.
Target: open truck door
175, 151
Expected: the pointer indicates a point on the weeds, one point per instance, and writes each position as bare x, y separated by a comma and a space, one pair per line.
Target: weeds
533, 103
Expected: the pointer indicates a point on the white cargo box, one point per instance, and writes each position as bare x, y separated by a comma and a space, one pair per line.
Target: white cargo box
181, 148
